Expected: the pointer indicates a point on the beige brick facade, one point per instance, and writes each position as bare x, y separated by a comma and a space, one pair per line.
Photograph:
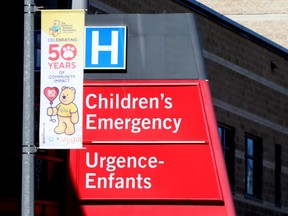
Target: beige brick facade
267, 18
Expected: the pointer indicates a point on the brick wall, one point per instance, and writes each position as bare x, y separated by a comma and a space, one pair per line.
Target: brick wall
267, 18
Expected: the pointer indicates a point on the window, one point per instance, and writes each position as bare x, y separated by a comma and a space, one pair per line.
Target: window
278, 175
253, 166
227, 134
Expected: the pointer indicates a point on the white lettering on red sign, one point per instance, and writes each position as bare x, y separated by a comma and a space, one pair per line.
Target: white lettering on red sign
135, 125
111, 164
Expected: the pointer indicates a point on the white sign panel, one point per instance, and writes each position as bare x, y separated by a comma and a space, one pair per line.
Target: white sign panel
61, 96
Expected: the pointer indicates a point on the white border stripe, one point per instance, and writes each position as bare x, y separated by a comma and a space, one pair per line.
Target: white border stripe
152, 142
245, 72
250, 116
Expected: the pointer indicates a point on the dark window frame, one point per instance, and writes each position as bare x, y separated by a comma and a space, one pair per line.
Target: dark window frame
278, 164
227, 138
253, 167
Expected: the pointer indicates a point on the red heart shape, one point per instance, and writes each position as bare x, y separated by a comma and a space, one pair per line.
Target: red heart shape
51, 93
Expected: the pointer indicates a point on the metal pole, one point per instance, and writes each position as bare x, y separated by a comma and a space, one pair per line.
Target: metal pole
28, 147
79, 4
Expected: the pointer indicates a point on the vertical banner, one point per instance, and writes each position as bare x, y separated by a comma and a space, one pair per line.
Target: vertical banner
61, 96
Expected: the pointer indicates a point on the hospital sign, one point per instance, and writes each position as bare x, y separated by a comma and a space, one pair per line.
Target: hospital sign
105, 47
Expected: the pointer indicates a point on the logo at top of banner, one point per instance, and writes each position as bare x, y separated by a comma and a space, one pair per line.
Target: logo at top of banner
105, 47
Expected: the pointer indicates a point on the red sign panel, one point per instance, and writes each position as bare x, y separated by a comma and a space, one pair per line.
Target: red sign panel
146, 171
147, 141
143, 112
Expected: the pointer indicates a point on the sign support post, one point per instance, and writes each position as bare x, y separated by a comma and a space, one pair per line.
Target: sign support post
28, 147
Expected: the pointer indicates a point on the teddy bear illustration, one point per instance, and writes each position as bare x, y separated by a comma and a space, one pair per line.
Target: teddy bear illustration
66, 111
55, 29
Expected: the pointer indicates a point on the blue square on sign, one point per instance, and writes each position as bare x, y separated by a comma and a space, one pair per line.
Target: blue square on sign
105, 47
